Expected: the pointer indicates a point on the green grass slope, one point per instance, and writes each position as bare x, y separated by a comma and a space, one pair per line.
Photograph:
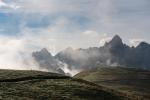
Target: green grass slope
36, 85
134, 83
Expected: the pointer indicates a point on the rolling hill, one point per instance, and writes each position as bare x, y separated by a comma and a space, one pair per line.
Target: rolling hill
36, 85
129, 81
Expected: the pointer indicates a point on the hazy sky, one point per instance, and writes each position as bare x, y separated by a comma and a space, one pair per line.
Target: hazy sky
28, 25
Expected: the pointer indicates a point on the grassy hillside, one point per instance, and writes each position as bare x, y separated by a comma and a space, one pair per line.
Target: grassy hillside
134, 83
35, 85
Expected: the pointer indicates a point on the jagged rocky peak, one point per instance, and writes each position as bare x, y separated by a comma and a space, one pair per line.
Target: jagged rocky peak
117, 38
45, 51
143, 45
116, 41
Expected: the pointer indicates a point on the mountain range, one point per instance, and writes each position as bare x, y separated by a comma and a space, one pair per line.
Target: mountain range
113, 53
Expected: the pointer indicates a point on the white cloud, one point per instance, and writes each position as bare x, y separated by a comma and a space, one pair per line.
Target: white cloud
11, 51
8, 5
104, 40
46, 6
2, 3
135, 41
95, 36
91, 33
105, 16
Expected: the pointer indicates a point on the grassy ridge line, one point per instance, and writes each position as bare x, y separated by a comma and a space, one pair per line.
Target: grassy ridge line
33, 78
54, 77
115, 92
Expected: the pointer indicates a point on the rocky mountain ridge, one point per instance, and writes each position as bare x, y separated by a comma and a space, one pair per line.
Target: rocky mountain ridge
113, 53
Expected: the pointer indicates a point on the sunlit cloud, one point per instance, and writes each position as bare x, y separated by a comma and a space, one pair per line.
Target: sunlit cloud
136, 41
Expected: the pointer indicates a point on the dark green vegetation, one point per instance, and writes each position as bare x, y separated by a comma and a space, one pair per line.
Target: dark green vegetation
35, 85
134, 83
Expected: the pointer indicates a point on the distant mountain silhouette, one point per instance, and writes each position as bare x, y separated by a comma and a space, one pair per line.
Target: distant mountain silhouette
115, 42
113, 53
47, 61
